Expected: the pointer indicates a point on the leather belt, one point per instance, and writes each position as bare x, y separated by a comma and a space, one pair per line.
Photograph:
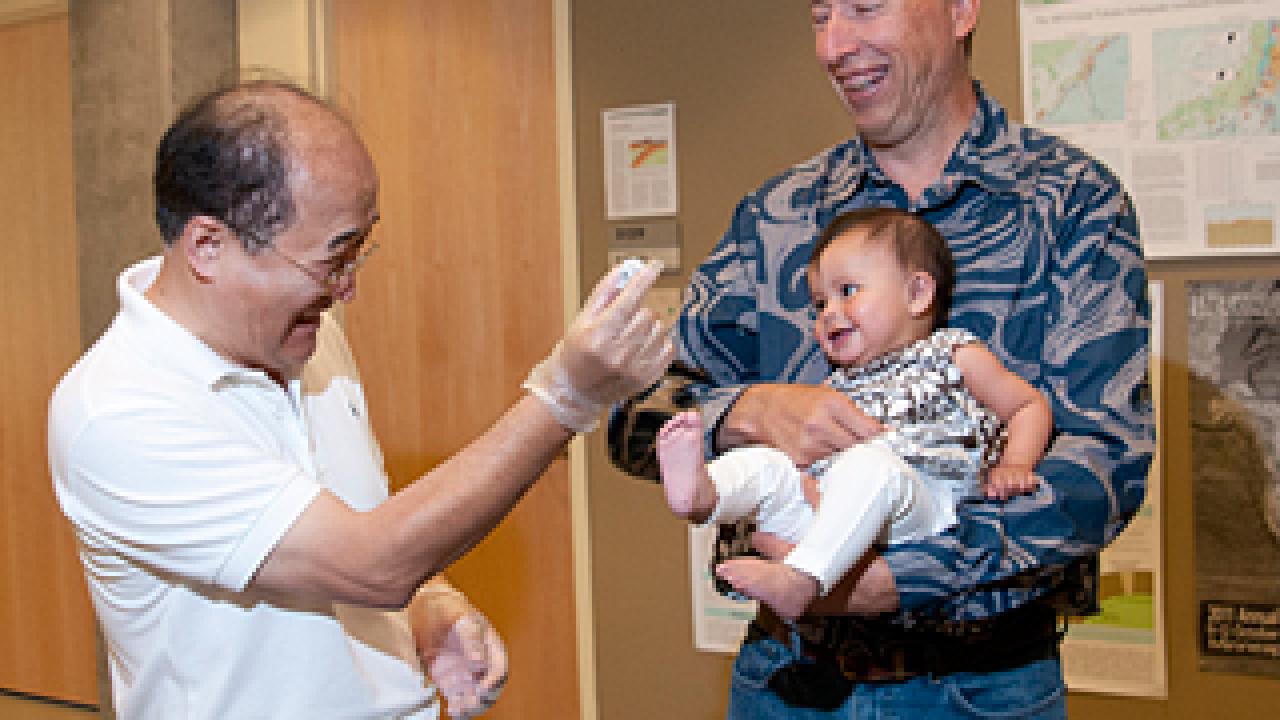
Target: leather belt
894, 653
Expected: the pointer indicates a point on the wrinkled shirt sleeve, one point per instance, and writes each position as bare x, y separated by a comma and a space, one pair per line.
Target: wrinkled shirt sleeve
1094, 370
718, 329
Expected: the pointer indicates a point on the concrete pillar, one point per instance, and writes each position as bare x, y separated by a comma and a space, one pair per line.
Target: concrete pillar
134, 63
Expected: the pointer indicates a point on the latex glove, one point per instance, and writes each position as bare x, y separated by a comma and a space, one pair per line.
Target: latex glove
614, 348
460, 650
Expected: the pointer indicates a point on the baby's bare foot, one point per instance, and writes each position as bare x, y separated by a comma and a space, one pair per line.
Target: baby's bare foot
782, 587
690, 492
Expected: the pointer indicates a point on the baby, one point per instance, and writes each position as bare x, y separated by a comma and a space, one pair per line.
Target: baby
955, 419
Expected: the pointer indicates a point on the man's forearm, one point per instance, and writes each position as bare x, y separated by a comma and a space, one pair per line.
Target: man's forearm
447, 511
380, 557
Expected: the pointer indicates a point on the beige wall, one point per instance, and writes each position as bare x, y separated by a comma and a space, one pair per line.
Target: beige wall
290, 37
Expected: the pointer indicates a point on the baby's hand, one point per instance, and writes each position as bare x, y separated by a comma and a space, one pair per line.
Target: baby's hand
1005, 481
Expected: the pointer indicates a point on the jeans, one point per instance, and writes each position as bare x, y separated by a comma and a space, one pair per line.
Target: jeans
1034, 691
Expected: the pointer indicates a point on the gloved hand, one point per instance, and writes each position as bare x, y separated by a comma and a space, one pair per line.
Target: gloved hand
613, 349
460, 651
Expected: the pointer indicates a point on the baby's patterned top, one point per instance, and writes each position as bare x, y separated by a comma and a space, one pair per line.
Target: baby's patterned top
933, 422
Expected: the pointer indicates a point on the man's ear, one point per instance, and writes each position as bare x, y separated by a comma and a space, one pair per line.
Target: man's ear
921, 287
964, 16
202, 243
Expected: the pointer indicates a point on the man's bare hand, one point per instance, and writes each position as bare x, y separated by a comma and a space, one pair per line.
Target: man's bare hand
867, 589
807, 422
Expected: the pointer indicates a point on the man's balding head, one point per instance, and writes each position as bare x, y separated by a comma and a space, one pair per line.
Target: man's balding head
233, 155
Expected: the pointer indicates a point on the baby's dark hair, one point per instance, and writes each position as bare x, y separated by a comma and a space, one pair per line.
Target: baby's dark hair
916, 242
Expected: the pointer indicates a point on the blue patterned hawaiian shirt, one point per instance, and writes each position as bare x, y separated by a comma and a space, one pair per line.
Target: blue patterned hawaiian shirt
1049, 274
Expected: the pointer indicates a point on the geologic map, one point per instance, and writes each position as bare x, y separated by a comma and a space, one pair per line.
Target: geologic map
1179, 98
1079, 80
1217, 81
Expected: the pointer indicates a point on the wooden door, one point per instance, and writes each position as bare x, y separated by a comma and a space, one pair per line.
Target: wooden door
47, 640
456, 100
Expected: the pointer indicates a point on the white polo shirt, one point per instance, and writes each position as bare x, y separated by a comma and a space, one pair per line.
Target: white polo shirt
180, 472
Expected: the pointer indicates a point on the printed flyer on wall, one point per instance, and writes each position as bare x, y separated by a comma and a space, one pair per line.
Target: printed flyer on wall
1233, 355
719, 623
640, 160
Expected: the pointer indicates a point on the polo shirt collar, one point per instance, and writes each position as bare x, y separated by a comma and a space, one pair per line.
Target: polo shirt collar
988, 154
174, 346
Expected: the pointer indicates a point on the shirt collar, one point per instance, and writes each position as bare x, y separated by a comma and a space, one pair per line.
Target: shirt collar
987, 155
162, 337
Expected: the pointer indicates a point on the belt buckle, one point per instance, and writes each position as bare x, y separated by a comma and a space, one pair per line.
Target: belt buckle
873, 670
897, 667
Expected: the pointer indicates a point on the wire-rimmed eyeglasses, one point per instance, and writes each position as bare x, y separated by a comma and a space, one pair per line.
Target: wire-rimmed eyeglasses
331, 280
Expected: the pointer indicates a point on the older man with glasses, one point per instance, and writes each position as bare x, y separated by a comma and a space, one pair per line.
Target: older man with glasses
213, 450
